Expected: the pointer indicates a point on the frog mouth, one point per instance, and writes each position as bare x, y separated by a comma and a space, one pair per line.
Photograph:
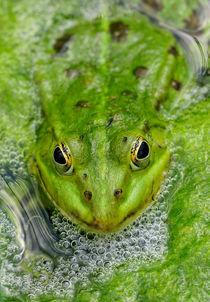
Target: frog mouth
96, 225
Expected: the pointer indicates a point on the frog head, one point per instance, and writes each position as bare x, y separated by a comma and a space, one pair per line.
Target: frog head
102, 179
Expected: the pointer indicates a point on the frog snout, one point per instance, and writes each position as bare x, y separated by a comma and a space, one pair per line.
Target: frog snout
103, 204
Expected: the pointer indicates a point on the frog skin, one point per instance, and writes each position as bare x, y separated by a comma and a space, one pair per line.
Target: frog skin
99, 112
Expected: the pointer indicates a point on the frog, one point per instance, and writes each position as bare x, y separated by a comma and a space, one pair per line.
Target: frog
101, 154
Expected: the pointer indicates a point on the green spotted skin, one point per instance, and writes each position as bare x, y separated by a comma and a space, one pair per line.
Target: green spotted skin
94, 85
97, 100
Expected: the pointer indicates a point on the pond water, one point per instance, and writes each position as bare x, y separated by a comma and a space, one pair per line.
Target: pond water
162, 255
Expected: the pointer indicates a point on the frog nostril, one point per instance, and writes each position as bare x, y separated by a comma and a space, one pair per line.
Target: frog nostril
117, 192
88, 195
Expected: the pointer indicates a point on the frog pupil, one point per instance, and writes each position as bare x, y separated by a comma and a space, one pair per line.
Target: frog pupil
58, 156
143, 150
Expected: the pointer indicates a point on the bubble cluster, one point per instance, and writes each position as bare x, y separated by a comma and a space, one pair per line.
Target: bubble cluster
12, 163
145, 238
84, 254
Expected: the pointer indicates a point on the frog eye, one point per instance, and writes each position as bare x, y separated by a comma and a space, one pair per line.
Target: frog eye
62, 159
140, 154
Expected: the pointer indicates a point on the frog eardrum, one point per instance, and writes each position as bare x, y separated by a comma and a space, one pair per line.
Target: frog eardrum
62, 159
140, 154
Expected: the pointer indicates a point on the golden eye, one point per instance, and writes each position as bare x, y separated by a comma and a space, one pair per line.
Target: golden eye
62, 159
140, 154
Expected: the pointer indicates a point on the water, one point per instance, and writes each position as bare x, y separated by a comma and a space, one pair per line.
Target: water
163, 250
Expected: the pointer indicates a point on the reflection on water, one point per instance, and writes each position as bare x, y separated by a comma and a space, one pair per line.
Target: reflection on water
22, 202
43, 254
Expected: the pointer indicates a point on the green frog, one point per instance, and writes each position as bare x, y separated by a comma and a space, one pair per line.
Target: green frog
101, 153
98, 149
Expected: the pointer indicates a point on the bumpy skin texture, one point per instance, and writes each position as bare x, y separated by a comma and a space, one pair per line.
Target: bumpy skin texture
91, 100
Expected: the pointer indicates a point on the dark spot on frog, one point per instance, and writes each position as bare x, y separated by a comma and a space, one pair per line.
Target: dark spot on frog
146, 127
109, 122
155, 4
81, 137
172, 50
117, 192
61, 44
140, 72
176, 85
84, 176
128, 93
124, 139
118, 31
83, 104
157, 106
72, 73
88, 195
